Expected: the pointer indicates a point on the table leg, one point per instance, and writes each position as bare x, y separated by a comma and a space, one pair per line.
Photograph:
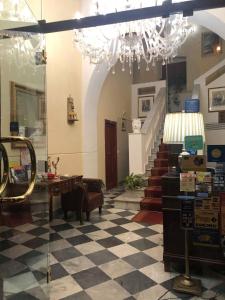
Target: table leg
50, 208
81, 217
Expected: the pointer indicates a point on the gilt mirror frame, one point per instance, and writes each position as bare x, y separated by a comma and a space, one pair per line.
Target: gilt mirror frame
23, 95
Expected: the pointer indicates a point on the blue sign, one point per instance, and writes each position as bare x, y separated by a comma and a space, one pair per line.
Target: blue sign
14, 127
216, 153
192, 105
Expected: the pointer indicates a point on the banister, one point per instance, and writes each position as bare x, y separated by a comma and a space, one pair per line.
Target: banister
140, 144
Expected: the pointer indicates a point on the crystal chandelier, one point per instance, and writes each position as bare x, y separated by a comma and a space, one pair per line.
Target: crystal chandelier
151, 40
18, 48
15, 10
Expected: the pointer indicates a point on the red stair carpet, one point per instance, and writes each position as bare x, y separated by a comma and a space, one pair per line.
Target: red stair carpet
151, 205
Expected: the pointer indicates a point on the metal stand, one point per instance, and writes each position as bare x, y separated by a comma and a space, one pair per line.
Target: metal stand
184, 283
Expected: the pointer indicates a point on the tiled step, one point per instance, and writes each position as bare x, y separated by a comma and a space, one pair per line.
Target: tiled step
153, 191
154, 150
148, 173
152, 157
163, 162
154, 181
149, 166
159, 171
163, 154
154, 204
129, 200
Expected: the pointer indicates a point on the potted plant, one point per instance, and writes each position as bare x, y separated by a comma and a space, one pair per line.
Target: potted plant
134, 181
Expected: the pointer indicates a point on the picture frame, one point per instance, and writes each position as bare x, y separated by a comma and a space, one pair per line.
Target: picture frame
211, 44
216, 99
145, 105
22, 97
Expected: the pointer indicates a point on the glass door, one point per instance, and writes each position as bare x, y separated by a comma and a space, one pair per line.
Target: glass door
24, 220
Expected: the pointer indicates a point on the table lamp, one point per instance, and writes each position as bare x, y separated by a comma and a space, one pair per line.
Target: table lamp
177, 127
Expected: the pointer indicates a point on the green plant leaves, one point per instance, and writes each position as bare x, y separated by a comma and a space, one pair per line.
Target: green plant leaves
134, 181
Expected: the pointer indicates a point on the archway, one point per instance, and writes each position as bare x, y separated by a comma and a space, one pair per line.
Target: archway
93, 79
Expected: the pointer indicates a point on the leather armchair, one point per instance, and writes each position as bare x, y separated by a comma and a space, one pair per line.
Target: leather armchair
84, 197
93, 195
74, 201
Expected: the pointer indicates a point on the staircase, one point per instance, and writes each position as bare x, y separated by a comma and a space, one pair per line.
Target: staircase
153, 193
151, 205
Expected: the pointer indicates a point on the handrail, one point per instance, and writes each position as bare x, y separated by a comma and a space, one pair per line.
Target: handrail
153, 124
141, 144
21, 198
159, 101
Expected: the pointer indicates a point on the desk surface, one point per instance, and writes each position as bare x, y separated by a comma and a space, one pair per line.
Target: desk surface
58, 180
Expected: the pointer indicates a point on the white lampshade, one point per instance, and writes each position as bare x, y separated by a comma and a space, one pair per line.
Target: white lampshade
179, 125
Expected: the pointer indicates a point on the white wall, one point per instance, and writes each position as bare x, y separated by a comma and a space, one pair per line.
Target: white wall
63, 79
134, 100
218, 136
114, 100
212, 19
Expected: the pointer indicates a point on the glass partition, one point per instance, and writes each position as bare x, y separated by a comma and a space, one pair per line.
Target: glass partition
24, 221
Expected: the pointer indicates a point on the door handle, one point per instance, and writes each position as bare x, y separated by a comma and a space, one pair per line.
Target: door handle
5, 176
21, 198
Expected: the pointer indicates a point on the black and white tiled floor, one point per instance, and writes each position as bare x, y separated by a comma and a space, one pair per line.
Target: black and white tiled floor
24, 260
109, 257
114, 258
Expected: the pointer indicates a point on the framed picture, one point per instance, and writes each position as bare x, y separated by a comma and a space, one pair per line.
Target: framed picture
211, 43
145, 104
216, 99
31, 103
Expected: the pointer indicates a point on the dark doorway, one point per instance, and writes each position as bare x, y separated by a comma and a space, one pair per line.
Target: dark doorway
176, 76
110, 154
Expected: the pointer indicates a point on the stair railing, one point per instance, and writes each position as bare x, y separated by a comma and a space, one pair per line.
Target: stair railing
141, 144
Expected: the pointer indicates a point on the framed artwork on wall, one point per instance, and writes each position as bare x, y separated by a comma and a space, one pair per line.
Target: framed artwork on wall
145, 105
211, 43
22, 98
216, 100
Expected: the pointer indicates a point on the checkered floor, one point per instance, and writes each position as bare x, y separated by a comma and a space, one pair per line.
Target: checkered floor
109, 257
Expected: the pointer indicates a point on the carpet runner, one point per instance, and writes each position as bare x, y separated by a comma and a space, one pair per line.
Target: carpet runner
151, 205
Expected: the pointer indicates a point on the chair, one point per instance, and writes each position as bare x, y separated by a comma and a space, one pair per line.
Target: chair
93, 195
74, 201
84, 197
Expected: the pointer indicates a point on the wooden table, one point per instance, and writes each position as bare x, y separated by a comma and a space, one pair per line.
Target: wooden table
58, 186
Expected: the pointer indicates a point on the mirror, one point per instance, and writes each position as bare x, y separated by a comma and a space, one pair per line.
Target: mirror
25, 121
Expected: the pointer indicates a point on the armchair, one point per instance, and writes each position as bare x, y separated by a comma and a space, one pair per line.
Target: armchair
74, 201
84, 197
93, 195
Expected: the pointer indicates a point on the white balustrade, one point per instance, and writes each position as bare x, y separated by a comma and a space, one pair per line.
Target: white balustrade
141, 143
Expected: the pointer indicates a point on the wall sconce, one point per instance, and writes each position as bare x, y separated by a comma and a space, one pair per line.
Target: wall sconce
124, 122
71, 114
218, 49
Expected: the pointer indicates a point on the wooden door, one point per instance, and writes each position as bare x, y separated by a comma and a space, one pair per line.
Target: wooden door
110, 154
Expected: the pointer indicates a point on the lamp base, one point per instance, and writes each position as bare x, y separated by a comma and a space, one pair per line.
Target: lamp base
187, 285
